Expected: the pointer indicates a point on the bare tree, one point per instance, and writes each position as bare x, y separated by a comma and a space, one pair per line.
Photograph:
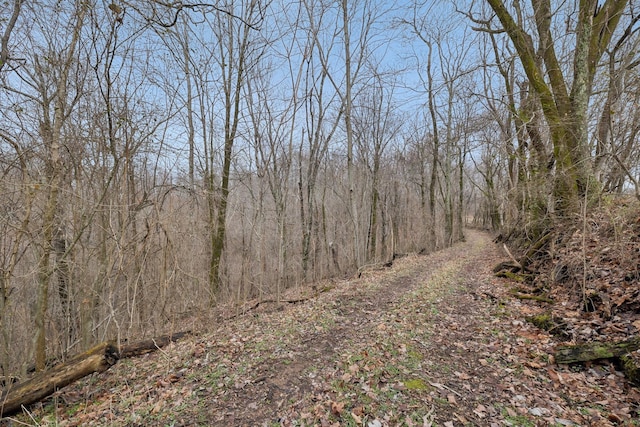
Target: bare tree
611, 148
5, 55
565, 111
55, 110
236, 53
447, 65
375, 125
274, 123
320, 117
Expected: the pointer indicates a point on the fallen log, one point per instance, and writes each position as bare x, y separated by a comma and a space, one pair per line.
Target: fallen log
595, 351
537, 298
146, 346
631, 367
97, 359
252, 306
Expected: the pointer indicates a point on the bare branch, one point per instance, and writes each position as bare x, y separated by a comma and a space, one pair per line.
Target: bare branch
179, 7
4, 42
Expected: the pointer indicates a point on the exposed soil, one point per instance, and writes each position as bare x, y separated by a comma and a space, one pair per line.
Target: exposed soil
434, 340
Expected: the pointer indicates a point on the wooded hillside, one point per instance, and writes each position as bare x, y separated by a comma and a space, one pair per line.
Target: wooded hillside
158, 159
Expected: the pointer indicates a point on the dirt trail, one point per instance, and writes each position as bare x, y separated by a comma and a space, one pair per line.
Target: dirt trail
435, 340
357, 315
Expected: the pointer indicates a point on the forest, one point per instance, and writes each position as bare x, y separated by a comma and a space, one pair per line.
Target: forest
159, 158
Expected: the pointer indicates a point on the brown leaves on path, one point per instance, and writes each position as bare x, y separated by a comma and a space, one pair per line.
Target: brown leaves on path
420, 344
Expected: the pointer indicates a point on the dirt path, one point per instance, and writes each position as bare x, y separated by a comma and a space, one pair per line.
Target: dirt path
432, 341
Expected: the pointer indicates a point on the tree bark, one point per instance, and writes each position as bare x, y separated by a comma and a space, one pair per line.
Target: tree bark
147, 346
233, 78
631, 367
97, 359
595, 350
565, 113
4, 41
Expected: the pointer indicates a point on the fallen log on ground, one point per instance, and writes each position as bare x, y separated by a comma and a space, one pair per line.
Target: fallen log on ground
252, 306
631, 367
595, 351
97, 359
537, 298
147, 346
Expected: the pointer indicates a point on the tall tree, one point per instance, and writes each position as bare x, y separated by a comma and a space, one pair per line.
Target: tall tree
237, 50
564, 107
375, 125
320, 122
56, 106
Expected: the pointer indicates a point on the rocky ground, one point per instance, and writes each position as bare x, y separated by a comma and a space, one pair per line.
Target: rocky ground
435, 340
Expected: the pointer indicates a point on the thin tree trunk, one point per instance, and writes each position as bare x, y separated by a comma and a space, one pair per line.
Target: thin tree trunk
433, 180
52, 135
233, 81
353, 206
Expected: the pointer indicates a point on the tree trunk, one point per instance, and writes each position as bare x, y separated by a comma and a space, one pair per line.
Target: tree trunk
347, 105
146, 346
98, 359
565, 113
233, 77
595, 351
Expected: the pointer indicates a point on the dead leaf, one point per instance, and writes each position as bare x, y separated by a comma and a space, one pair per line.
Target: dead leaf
555, 376
480, 411
534, 365
337, 408
173, 378
157, 407
462, 375
462, 419
615, 418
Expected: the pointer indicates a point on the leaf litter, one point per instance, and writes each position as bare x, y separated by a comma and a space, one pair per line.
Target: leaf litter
434, 341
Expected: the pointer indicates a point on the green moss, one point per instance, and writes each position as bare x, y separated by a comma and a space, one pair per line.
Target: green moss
414, 356
520, 421
542, 321
511, 276
416, 384
630, 368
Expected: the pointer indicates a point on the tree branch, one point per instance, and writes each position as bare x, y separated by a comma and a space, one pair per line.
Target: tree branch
179, 7
4, 42
604, 24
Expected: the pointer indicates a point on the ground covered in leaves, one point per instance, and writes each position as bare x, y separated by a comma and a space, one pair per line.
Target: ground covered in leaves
591, 270
435, 340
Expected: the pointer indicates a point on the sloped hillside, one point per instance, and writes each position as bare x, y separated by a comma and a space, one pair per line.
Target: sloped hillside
435, 340
591, 270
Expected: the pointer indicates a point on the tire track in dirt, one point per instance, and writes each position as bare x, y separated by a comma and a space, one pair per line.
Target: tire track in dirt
355, 311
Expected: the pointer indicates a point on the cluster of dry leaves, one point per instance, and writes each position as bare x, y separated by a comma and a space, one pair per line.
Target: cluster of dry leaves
436, 340
593, 274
